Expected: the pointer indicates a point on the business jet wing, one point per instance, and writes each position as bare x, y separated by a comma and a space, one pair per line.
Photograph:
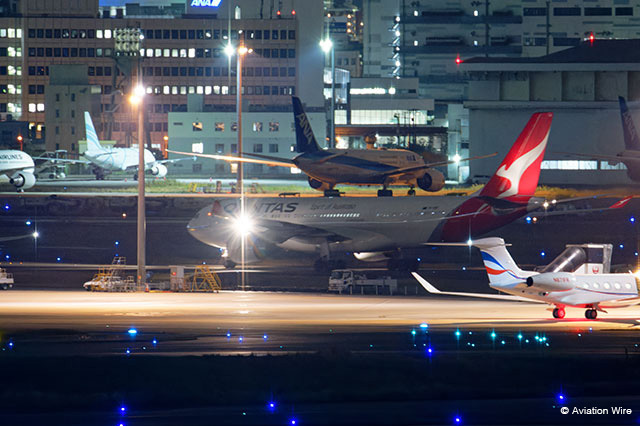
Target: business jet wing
410, 169
232, 159
431, 289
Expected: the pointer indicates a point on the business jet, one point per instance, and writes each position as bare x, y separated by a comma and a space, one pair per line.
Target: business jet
573, 279
631, 154
105, 160
376, 229
18, 166
327, 168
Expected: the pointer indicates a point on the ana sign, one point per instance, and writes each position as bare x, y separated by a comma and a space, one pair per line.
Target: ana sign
205, 3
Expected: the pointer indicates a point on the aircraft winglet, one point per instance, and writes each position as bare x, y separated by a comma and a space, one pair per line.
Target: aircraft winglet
621, 203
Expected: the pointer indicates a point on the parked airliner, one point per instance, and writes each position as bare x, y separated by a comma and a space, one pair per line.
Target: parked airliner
379, 228
564, 282
18, 166
327, 168
108, 159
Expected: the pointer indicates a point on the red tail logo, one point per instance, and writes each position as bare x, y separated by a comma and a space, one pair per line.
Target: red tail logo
520, 170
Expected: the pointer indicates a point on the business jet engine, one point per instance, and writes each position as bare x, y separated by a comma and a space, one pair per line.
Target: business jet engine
23, 180
159, 170
319, 185
431, 181
552, 281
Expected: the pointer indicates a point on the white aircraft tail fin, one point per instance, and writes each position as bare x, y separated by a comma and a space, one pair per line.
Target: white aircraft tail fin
93, 144
501, 268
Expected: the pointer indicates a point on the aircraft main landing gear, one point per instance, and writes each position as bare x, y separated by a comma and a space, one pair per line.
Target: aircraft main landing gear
331, 193
385, 192
591, 314
411, 191
558, 313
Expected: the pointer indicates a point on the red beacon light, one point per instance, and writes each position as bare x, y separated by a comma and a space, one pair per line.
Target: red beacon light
458, 60
591, 38
278, 13
293, 12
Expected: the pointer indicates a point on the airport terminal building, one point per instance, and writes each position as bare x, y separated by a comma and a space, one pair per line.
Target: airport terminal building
181, 53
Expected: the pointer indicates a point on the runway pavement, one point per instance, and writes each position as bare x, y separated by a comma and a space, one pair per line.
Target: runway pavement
301, 321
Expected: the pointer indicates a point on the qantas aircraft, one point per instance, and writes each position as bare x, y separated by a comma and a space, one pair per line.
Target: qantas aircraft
379, 228
108, 159
18, 166
564, 282
327, 168
631, 154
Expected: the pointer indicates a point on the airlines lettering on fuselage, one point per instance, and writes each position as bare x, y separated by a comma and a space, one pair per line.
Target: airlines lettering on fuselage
265, 208
11, 157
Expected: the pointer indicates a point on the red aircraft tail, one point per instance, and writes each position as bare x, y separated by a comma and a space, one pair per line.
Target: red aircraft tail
518, 174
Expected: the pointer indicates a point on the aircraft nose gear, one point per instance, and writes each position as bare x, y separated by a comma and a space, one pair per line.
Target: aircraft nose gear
411, 191
591, 314
559, 313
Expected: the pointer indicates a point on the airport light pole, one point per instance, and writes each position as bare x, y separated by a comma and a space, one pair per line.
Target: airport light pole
136, 100
240, 51
327, 46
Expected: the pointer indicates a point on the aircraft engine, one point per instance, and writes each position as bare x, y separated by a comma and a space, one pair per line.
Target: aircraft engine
371, 256
552, 281
431, 181
159, 170
319, 185
23, 180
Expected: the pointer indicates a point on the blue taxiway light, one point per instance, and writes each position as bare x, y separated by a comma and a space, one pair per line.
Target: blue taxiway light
128, 351
457, 333
424, 325
117, 242
458, 420
528, 219
294, 422
413, 332
28, 223
519, 336
123, 409
154, 341
265, 337
560, 397
272, 405
7, 207
632, 219
11, 344
7, 257
58, 259
493, 335
228, 334
132, 331
543, 254
240, 339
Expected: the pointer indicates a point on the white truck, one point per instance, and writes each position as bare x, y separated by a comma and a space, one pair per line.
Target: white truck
348, 280
6, 279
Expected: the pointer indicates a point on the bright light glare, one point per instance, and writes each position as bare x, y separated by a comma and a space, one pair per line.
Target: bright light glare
35, 234
456, 158
229, 50
132, 331
243, 224
242, 50
137, 95
326, 45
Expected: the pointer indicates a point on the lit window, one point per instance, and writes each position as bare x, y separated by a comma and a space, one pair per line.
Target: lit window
257, 126
174, 90
192, 90
166, 53
219, 127
183, 90
149, 53
216, 90
158, 53
197, 147
165, 90
98, 33
107, 33
32, 107
274, 126
207, 90
192, 53
199, 90
225, 90
174, 53
183, 53
197, 126
19, 33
